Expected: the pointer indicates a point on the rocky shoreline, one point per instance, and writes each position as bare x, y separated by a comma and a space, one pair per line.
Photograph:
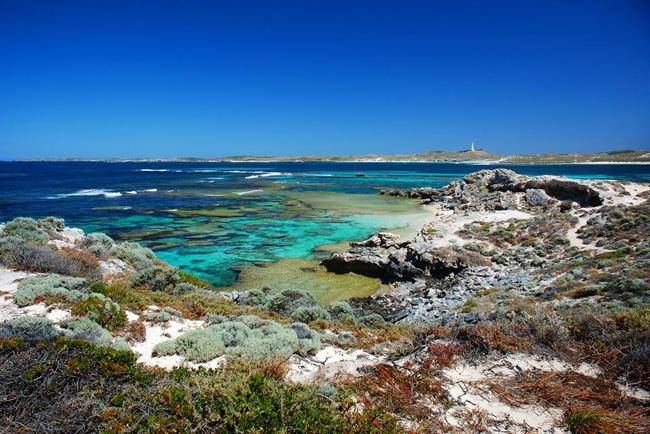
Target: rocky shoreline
470, 244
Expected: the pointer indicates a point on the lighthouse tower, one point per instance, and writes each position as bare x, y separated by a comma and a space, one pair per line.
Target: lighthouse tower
472, 147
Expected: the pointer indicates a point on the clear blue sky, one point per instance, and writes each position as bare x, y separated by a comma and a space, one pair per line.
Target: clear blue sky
212, 78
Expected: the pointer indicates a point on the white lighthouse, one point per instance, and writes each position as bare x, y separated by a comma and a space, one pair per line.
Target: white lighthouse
471, 148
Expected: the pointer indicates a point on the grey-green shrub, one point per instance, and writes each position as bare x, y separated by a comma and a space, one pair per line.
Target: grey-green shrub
197, 345
328, 390
287, 301
161, 316
247, 337
51, 224
27, 229
98, 244
49, 284
29, 328
254, 297
309, 314
346, 339
340, 311
184, 288
157, 278
23, 255
308, 340
121, 344
372, 320
88, 330
134, 254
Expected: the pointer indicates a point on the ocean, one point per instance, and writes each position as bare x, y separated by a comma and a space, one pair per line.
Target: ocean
250, 224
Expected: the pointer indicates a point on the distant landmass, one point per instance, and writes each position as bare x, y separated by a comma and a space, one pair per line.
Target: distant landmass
467, 156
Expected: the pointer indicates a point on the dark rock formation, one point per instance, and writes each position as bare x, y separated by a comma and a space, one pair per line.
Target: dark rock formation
386, 257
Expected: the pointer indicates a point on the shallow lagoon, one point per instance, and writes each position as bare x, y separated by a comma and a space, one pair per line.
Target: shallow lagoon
245, 225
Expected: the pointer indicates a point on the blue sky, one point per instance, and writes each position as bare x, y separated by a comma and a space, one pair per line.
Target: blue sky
213, 78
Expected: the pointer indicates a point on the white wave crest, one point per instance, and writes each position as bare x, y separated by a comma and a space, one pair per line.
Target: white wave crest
89, 192
242, 193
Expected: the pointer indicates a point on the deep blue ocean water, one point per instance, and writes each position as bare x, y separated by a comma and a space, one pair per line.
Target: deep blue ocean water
212, 219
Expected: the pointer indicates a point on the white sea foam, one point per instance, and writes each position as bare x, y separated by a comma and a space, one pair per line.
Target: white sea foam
242, 193
88, 192
150, 190
154, 170
132, 192
267, 174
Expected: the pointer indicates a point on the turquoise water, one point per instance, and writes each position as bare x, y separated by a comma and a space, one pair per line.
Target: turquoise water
215, 220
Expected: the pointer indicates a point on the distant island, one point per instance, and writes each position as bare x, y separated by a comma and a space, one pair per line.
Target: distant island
465, 156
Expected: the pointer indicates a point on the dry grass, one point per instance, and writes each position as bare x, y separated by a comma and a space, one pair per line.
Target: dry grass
590, 404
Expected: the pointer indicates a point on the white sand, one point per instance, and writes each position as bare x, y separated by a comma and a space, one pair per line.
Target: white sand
446, 223
328, 363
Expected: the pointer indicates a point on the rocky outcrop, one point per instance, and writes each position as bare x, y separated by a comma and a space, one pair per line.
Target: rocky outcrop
497, 189
387, 257
537, 197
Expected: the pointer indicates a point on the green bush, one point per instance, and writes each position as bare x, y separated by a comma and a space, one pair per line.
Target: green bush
98, 244
84, 388
102, 310
309, 314
26, 229
49, 285
29, 328
341, 311
134, 254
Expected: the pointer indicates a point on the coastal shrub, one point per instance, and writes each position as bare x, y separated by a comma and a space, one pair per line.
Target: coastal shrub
29, 328
248, 338
121, 294
254, 297
84, 388
50, 284
214, 318
196, 281
197, 345
372, 320
309, 314
161, 316
102, 310
287, 301
173, 312
88, 330
134, 254
97, 243
51, 224
309, 341
341, 311
120, 344
22, 255
157, 278
346, 339
184, 288
26, 229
